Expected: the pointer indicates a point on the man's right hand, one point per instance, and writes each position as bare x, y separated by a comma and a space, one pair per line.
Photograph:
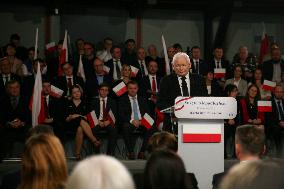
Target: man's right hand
281, 124
136, 123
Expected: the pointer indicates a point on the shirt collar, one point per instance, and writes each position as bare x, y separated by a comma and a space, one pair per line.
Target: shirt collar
186, 76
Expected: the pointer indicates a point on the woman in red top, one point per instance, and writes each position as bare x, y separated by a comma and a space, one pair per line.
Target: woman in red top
250, 115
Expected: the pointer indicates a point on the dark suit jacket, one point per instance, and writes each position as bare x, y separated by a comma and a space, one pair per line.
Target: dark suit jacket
125, 108
92, 85
267, 69
110, 65
191, 181
146, 85
203, 67
28, 86
217, 179
61, 83
224, 64
170, 89
139, 74
160, 62
11, 180
111, 104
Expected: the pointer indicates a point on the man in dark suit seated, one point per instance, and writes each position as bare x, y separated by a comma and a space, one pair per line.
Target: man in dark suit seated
115, 64
149, 86
272, 68
180, 83
15, 118
140, 63
92, 84
102, 106
132, 108
6, 75
275, 123
66, 82
249, 145
199, 66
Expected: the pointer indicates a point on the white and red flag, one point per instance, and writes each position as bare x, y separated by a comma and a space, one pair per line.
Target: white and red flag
134, 71
268, 85
120, 89
56, 92
147, 121
81, 71
167, 61
264, 45
219, 72
50, 47
264, 106
63, 55
201, 134
111, 117
92, 118
106, 69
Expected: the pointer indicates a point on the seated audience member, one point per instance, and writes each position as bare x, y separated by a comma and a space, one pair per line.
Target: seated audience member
249, 112
29, 61
219, 62
132, 108
162, 69
165, 170
238, 81
198, 65
102, 106
76, 121
100, 172
249, 146
273, 68
149, 85
230, 125
88, 59
177, 47
105, 54
53, 61
100, 76
69, 79
276, 121
6, 75
43, 163
17, 66
52, 107
125, 77
153, 55
282, 80
258, 80
129, 55
254, 175
213, 88
15, 118
29, 81
13, 179
247, 61
140, 63
163, 141
115, 63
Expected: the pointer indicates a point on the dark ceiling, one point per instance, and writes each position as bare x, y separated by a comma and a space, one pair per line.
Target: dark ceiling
256, 6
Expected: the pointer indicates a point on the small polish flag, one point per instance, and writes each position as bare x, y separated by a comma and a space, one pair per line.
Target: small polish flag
106, 69
56, 92
111, 117
268, 85
147, 121
264, 106
201, 134
50, 47
219, 72
120, 89
92, 118
134, 71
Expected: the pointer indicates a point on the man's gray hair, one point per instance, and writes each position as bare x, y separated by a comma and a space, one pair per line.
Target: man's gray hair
179, 55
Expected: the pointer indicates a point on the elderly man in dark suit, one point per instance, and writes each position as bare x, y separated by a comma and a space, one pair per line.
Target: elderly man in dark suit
180, 83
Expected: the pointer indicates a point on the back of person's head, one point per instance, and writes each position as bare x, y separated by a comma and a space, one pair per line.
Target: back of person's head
43, 163
162, 140
250, 141
40, 129
254, 175
165, 170
100, 172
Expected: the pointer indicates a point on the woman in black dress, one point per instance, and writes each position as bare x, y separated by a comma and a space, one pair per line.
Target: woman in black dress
76, 111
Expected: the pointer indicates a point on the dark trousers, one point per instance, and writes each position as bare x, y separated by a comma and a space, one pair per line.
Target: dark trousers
278, 133
112, 136
229, 132
128, 131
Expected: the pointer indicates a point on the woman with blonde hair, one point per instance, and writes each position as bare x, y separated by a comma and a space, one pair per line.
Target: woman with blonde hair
43, 163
